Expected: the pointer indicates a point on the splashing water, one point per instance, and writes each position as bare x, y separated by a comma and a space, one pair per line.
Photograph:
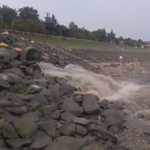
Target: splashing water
102, 86
136, 97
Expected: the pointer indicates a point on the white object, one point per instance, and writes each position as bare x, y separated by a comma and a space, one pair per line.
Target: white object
120, 57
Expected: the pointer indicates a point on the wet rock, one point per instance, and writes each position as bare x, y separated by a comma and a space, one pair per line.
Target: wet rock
50, 128
25, 127
32, 116
41, 99
32, 89
71, 106
17, 143
103, 104
40, 140
4, 84
66, 89
81, 121
9, 132
118, 105
68, 129
81, 130
17, 110
90, 104
67, 116
55, 114
112, 117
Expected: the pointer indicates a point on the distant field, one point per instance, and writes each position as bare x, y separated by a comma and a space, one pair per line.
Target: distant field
72, 44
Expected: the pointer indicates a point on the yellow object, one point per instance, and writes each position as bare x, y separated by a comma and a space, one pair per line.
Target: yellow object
3, 45
32, 42
5, 32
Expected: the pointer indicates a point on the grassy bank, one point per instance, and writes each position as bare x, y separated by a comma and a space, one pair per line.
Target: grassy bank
72, 44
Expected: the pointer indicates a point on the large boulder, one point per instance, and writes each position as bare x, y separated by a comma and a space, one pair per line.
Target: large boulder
9, 132
40, 140
71, 106
90, 104
25, 127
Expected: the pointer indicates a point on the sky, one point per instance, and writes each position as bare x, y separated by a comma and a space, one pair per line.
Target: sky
127, 18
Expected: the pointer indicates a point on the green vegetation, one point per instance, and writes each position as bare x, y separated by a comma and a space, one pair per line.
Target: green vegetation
27, 19
79, 45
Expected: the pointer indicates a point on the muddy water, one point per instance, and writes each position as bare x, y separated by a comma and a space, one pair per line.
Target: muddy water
136, 98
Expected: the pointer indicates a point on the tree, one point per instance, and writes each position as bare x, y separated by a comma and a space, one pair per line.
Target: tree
7, 14
28, 13
73, 29
51, 24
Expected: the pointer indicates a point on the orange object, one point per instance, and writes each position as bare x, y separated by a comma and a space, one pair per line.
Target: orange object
18, 49
87, 93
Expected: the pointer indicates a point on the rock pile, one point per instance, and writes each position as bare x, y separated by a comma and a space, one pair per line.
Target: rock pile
45, 113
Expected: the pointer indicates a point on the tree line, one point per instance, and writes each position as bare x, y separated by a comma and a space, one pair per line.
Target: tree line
27, 19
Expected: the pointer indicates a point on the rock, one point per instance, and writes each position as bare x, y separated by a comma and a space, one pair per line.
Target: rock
50, 128
117, 105
112, 117
72, 107
16, 71
104, 134
19, 86
9, 132
17, 110
4, 84
81, 130
137, 125
9, 117
66, 89
78, 98
25, 127
37, 74
47, 110
90, 104
40, 140
27, 98
55, 114
67, 116
16, 143
41, 99
5, 103
34, 104
81, 121
15, 63
10, 77
68, 129
94, 146
32, 89
32, 116
103, 104
108, 144
65, 143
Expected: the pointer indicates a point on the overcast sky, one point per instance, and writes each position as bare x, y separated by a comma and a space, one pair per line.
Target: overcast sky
129, 18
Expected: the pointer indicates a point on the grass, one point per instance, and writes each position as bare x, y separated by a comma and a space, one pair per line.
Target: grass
79, 45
